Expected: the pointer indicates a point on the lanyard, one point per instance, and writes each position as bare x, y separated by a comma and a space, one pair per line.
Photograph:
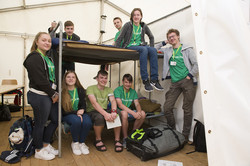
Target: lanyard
74, 97
174, 53
127, 97
136, 31
50, 65
41, 53
47, 60
68, 38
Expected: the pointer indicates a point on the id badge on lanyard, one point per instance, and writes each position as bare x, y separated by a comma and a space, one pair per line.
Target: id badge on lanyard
172, 63
53, 86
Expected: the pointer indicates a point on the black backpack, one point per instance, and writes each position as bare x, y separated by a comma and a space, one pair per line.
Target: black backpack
199, 139
20, 136
5, 113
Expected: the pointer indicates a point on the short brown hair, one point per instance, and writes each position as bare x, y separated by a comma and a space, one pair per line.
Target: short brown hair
132, 13
102, 72
127, 77
68, 23
117, 18
173, 31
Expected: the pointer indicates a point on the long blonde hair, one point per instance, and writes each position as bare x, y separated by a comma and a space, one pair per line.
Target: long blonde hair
66, 100
34, 45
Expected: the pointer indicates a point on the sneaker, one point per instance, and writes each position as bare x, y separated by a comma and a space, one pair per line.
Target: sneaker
51, 150
84, 148
43, 154
147, 86
75, 148
124, 143
156, 85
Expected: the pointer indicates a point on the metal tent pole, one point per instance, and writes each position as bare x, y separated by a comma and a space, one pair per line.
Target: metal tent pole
119, 76
59, 91
134, 73
110, 75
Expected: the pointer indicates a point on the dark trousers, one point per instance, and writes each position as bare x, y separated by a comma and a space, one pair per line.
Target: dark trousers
43, 110
188, 89
67, 66
98, 119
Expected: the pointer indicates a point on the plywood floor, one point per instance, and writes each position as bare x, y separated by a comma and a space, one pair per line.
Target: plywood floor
96, 158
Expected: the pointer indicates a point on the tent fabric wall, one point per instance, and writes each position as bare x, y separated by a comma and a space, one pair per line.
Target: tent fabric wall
183, 22
222, 41
85, 15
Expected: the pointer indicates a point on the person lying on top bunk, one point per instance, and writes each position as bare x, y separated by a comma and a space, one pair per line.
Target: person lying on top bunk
69, 35
118, 25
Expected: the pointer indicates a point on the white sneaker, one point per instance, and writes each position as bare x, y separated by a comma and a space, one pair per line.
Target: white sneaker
43, 154
84, 148
75, 148
51, 150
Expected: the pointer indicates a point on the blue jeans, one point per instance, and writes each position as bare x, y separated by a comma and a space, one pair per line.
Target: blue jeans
145, 52
43, 110
79, 130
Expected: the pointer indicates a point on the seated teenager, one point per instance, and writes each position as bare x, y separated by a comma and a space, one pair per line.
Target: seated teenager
132, 36
98, 97
124, 96
73, 110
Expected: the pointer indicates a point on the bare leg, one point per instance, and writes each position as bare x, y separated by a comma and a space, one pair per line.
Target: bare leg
139, 122
117, 132
98, 135
124, 123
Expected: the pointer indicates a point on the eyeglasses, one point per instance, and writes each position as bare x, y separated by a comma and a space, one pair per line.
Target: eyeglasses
169, 37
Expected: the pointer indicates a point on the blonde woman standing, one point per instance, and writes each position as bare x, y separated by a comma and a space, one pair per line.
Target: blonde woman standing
42, 95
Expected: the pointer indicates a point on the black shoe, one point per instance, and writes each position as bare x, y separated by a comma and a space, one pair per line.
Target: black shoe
156, 85
147, 86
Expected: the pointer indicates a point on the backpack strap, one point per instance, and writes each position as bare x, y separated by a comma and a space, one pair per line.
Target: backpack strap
28, 124
138, 134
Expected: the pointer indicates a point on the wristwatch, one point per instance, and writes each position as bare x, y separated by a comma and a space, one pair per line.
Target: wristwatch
113, 110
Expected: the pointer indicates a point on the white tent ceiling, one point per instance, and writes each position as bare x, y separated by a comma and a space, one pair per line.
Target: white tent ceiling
216, 27
152, 10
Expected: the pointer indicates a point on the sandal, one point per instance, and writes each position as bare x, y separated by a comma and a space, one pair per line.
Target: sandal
99, 148
118, 146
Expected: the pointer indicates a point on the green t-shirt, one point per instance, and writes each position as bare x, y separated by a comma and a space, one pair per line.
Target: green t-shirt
136, 36
116, 36
74, 99
101, 96
127, 98
179, 71
51, 66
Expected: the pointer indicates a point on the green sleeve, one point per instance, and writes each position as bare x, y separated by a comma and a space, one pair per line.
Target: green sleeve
89, 90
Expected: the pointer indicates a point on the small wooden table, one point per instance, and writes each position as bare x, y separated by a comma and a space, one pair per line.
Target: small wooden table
4, 89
